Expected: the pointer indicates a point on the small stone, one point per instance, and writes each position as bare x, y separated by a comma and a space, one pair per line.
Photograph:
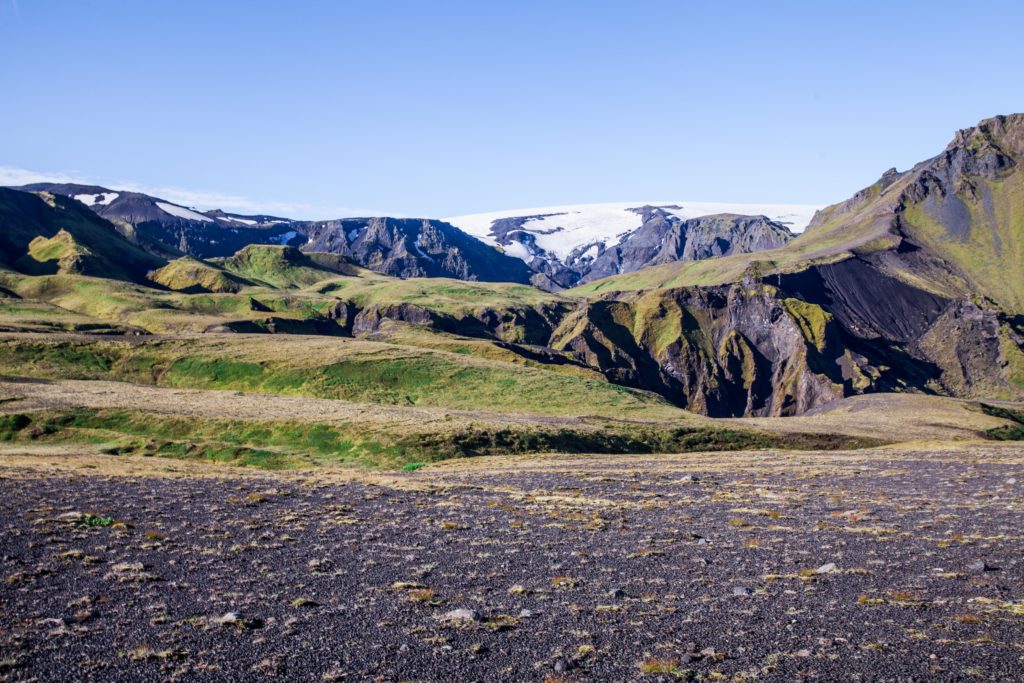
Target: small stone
230, 619
460, 615
702, 541
827, 568
616, 593
526, 614
708, 652
560, 665
403, 648
741, 591
803, 653
980, 566
686, 659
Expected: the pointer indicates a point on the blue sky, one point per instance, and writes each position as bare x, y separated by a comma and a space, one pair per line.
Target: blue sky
438, 108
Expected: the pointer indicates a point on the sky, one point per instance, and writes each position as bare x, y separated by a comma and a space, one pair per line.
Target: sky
434, 108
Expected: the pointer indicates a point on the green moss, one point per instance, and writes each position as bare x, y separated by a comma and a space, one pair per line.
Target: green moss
812, 319
286, 444
1012, 432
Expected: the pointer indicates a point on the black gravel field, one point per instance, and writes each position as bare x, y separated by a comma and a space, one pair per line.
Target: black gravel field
883, 565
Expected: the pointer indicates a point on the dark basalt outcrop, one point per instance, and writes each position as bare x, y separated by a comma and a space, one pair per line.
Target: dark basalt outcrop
412, 248
664, 238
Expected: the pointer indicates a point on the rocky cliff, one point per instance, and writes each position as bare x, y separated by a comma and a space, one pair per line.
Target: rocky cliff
412, 248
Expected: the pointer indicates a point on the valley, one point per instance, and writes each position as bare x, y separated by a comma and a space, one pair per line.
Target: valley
705, 447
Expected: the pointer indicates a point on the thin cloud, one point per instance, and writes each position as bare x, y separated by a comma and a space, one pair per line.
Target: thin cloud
200, 199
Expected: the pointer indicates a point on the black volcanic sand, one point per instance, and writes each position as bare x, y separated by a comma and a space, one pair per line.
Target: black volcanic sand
709, 566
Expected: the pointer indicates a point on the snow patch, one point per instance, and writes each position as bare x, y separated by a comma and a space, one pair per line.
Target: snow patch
101, 199
243, 221
576, 225
517, 250
182, 212
416, 245
285, 238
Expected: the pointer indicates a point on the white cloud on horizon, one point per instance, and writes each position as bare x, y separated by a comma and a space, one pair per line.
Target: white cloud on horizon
205, 200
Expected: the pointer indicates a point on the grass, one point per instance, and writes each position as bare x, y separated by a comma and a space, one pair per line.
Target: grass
665, 666
94, 520
291, 444
1011, 432
353, 370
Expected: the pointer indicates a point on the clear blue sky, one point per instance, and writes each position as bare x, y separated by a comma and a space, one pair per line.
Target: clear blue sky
437, 108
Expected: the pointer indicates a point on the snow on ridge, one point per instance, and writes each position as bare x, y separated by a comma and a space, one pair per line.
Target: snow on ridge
101, 199
236, 219
565, 228
182, 212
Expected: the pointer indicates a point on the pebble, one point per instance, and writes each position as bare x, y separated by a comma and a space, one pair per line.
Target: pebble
827, 568
980, 566
741, 591
460, 615
560, 665
616, 593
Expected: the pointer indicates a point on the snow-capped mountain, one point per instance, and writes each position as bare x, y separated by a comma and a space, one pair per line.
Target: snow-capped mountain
566, 242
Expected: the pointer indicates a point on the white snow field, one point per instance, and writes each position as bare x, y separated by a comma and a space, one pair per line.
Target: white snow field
565, 228
101, 199
182, 212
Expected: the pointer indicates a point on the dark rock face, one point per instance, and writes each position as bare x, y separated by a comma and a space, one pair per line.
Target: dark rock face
664, 238
413, 248
393, 246
80, 242
140, 218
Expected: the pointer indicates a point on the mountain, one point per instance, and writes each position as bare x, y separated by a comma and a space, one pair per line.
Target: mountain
393, 246
406, 247
170, 229
913, 284
568, 244
48, 233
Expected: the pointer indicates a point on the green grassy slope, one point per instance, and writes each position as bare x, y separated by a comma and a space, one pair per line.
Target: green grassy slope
65, 235
965, 207
324, 367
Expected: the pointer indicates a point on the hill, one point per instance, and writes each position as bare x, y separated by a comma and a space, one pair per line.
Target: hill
48, 233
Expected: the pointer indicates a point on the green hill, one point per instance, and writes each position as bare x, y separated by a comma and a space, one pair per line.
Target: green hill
46, 233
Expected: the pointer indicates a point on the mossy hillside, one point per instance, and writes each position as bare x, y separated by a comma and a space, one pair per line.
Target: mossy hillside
812, 319
122, 303
283, 445
1010, 432
346, 369
65, 229
991, 252
277, 266
20, 315
192, 276
160, 311
405, 334
442, 295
